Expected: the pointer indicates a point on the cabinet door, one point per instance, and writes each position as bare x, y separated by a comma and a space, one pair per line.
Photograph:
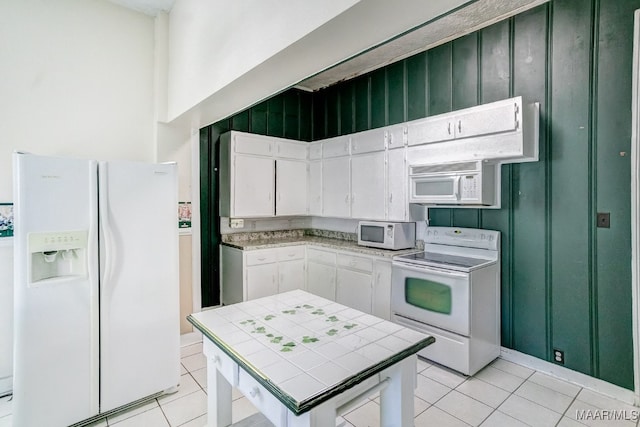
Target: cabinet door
321, 280
432, 129
397, 184
353, 289
291, 187
368, 186
496, 117
335, 187
261, 280
252, 190
315, 188
290, 275
381, 300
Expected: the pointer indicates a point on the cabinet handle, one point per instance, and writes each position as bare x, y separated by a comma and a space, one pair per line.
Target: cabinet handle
391, 198
261, 259
346, 198
460, 126
254, 391
216, 359
269, 147
355, 147
449, 128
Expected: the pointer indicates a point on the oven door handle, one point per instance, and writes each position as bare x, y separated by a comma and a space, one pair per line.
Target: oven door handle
431, 270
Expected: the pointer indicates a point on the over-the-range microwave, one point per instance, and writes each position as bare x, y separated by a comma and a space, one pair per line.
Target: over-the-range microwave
387, 235
461, 183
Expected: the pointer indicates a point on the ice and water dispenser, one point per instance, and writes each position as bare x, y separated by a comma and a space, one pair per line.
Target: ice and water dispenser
57, 255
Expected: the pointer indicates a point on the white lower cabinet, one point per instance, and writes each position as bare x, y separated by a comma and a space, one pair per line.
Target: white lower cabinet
354, 281
358, 281
261, 280
247, 275
290, 275
321, 273
381, 298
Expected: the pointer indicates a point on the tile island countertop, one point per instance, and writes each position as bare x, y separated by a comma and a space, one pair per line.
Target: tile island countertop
305, 349
329, 239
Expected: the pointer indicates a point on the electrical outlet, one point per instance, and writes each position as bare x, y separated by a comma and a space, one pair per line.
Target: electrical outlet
236, 223
558, 356
604, 220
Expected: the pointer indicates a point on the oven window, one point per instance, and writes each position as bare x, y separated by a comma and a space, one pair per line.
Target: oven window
370, 233
427, 294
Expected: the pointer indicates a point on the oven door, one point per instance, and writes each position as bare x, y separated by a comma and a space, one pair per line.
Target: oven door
432, 296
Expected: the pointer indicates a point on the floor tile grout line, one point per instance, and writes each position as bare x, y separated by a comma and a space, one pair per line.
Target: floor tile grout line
163, 413
564, 414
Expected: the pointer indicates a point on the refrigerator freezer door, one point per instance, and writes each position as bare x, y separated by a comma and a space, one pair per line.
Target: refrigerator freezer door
139, 288
56, 318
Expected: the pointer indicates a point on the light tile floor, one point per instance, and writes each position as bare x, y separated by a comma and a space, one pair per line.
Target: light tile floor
502, 394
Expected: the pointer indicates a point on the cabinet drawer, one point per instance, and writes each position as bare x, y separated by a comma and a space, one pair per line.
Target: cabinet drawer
260, 257
335, 147
292, 150
252, 144
368, 141
264, 401
323, 257
355, 262
227, 367
315, 151
290, 252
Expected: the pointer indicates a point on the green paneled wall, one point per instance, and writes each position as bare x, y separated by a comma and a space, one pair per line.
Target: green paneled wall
565, 283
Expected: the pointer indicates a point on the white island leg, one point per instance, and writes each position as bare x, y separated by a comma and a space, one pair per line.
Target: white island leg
396, 400
219, 395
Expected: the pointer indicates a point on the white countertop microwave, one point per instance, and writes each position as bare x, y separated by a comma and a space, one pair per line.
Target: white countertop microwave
462, 183
387, 235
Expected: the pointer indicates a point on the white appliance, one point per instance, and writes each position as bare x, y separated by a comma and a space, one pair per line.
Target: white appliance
463, 183
452, 292
387, 235
6, 315
96, 287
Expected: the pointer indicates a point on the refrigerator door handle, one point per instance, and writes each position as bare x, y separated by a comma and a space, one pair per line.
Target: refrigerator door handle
108, 253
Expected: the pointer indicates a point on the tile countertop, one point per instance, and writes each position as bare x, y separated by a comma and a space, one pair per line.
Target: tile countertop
306, 349
341, 241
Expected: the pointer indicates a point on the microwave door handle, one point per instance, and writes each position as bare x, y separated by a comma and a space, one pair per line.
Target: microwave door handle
430, 270
456, 187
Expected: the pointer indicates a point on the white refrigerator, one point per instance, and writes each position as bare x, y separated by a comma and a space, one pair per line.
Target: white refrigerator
96, 295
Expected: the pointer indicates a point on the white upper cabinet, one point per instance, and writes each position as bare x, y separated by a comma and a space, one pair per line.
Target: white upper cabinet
262, 176
368, 186
506, 130
336, 188
315, 150
496, 117
335, 147
247, 143
397, 186
292, 150
368, 141
432, 129
291, 187
315, 187
252, 186
396, 136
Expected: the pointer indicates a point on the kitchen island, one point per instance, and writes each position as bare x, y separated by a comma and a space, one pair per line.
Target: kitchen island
302, 360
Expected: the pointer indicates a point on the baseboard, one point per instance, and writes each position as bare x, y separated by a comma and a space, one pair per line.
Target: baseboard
190, 338
574, 377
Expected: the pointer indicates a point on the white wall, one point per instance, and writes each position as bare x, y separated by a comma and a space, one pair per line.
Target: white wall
76, 79
213, 42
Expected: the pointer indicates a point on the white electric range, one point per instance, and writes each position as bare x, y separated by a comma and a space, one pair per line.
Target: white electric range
452, 292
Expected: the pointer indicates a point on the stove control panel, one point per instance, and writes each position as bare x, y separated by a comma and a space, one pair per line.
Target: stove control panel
467, 237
